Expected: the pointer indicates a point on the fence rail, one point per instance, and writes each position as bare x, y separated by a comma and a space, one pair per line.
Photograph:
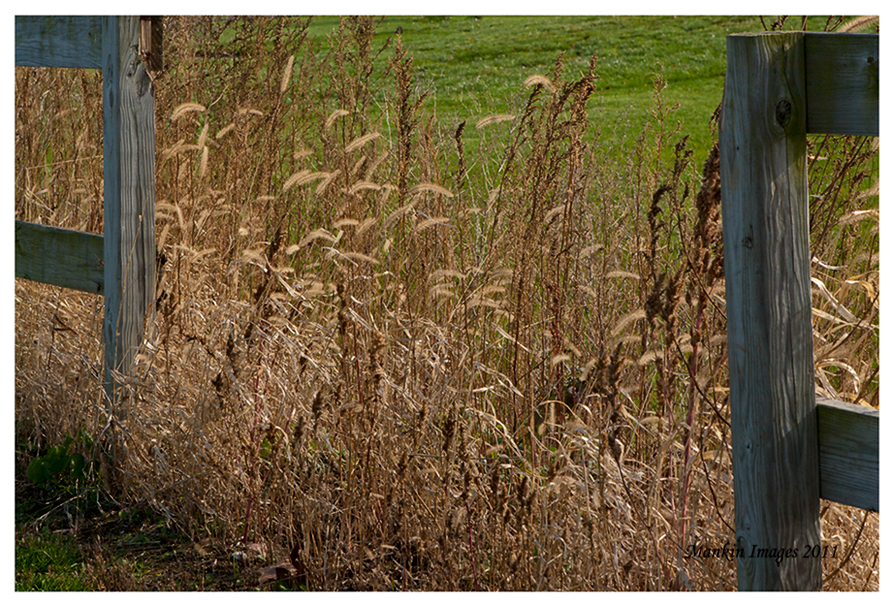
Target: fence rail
848, 453
77, 257
59, 42
841, 73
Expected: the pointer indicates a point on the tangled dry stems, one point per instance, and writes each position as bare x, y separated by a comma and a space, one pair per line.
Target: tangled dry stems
411, 369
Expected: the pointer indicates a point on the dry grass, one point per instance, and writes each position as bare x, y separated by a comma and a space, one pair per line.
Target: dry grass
414, 369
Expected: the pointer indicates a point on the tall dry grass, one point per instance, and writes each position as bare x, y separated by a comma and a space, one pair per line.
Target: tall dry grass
412, 368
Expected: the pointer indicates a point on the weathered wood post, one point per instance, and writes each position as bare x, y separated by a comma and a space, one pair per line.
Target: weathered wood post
120, 265
789, 447
763, 158
128, 96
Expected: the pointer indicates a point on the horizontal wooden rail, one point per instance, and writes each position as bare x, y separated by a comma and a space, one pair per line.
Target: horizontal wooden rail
848, 453
56, 256
842, 77
59, 42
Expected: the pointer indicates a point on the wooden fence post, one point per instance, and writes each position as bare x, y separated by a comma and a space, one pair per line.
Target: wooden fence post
120, 265
763, 155
128, 96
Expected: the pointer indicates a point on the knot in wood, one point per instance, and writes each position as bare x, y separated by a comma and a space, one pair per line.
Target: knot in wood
783, 112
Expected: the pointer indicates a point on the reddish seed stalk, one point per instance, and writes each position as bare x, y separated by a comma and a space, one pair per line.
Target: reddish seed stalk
257, 449
471, 545
693, 364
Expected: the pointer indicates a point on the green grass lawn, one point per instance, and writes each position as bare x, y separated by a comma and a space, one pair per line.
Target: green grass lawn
48, 562
476, 66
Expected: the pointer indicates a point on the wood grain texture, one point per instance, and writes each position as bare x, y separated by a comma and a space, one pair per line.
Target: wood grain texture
152, 42
55, 256
842, 83
59, 41
849, 453
765, 231
129, 192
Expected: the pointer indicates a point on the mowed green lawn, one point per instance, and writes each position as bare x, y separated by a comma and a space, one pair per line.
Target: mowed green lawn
476, 66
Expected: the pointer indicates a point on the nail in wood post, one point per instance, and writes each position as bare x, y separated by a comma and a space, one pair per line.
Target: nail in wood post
763, 147
128, 97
